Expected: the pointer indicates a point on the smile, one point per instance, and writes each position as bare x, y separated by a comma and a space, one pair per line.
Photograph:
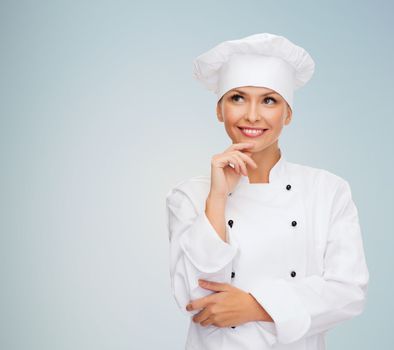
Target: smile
252, 132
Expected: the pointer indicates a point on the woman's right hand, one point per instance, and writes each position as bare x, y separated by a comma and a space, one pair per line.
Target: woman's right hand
223, 177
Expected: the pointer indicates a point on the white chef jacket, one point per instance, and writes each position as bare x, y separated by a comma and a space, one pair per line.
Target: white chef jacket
294, 243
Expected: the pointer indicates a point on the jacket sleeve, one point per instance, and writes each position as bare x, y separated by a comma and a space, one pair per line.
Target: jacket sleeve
313, 304
196, 250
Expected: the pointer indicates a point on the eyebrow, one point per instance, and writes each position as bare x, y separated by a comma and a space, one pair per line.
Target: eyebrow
265, 94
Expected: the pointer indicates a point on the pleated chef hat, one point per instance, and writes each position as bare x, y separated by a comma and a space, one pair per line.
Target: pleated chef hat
264, 60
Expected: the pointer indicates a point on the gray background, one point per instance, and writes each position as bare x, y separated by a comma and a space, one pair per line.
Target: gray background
100, 116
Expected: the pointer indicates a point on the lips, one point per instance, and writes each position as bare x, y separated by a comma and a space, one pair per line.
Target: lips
252, 132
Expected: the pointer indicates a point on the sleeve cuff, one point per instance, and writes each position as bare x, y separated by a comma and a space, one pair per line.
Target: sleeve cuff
277, 297
205, 249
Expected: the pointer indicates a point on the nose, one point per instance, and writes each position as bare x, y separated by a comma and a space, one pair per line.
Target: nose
252, 113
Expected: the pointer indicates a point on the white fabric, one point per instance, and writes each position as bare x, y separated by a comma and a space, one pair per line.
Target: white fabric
325, 249
264, 59
257, 70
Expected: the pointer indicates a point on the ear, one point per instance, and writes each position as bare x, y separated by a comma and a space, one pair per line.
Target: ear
289, 115
219, 112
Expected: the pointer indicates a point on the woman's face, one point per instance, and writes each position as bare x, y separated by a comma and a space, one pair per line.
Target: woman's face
256, 107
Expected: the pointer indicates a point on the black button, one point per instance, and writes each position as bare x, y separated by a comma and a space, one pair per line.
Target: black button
230, 223
293, 223
288, 187
232, 326
293, 273
229, 194
232, 274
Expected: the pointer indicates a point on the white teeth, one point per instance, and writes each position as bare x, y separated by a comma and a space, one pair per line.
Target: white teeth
252, 131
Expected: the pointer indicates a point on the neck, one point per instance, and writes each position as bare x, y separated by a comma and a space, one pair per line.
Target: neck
265, 160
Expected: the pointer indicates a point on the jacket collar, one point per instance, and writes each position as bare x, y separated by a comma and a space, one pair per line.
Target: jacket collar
277, 173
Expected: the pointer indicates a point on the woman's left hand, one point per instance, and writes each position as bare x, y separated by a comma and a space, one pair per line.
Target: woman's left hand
229, 306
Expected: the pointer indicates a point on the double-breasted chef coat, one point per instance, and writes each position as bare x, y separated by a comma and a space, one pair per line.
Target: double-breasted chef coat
294, 243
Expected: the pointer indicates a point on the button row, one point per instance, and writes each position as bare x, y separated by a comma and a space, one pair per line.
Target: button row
293, 223
231, 222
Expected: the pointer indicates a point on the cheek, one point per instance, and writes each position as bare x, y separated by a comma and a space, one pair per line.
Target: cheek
232, 114
231, 118
275, 118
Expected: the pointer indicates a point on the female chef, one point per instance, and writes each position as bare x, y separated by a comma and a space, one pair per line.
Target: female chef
264, 253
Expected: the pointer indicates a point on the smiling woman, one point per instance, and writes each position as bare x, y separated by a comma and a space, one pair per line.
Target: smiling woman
277, 243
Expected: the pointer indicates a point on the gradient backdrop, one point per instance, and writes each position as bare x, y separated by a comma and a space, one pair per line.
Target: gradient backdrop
100, 116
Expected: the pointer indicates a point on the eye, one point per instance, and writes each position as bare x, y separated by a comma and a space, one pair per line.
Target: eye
234, 96
270, 98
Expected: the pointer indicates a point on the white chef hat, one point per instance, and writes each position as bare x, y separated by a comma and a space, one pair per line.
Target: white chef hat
264, 59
